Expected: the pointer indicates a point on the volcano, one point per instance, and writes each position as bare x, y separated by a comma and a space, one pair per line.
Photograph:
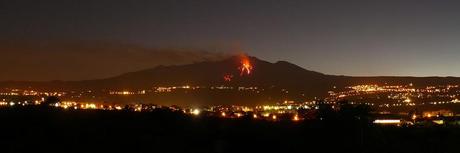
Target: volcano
276, 77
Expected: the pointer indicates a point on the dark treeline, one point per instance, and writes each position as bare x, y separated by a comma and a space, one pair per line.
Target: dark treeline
42, 129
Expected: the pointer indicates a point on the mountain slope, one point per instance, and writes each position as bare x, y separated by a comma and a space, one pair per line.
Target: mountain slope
277, 77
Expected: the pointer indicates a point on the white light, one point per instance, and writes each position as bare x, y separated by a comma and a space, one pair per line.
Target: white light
389, 121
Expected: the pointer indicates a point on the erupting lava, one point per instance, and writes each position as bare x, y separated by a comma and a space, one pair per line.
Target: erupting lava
228, 77
246, 67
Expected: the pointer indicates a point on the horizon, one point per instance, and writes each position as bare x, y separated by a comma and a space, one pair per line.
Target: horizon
226, 57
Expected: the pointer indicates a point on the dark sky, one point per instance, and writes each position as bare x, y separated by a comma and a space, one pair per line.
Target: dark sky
85, 39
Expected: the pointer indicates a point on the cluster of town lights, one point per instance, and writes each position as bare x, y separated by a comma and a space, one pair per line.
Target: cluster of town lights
266, 113
274, 117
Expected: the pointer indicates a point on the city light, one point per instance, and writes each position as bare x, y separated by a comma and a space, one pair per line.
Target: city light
407, 100
238, 114
296, 118
266, 114
440, 122
196, 112
387, 121
384, 97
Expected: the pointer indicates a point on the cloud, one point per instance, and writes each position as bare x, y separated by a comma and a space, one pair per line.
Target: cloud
89, 60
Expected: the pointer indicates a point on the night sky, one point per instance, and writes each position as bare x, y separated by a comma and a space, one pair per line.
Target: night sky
77, 39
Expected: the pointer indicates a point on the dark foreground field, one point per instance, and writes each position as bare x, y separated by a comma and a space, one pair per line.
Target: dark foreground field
89, 131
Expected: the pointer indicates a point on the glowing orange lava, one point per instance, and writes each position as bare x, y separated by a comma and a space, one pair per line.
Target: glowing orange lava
246, 67
228, 77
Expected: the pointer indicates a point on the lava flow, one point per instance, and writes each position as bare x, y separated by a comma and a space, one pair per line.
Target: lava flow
246, 67
228, 77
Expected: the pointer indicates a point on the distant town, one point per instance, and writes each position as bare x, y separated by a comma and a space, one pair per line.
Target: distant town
391, 104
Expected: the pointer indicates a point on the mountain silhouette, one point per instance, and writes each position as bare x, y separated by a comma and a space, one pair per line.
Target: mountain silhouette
275, 77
